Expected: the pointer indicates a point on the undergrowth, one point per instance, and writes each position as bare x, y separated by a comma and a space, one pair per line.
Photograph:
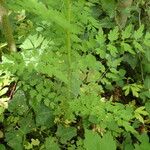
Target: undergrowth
81, 76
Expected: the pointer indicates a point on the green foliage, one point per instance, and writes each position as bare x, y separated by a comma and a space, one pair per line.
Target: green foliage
81, 82
94, 142
65, 134
51, 143
135, 88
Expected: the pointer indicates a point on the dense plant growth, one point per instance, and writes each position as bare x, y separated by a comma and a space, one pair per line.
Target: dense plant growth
80, 78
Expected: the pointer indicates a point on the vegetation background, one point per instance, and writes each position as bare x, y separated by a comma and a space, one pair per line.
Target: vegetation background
75, 74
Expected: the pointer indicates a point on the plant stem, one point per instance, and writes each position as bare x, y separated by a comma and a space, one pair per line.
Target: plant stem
68, 34
4, 21
8, 34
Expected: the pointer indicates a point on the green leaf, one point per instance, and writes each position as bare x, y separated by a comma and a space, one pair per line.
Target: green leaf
126, 125
44, 116
19, 103
94, 142
147, 82
101, 37
1, 110
139, 117
104, 142
147, 107
132, 61
26, 124
144, 145
147, 39
28, 145
126, 89
51, 144
141, 111
2, 147
3, 91
127, 32
147, 54
113, 34
109, 6
127, 48
43, 13
34, 41
35, 142
66, 133
134, 92
138, 46
112, 49
14, 139
139, 33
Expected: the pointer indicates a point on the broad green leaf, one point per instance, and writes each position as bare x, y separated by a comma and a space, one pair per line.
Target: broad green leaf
44, 116
26, 124
129, 147
94, 142
143, 138
104, 145
66, 133
14, 139
143, 146
51, 144
18, 104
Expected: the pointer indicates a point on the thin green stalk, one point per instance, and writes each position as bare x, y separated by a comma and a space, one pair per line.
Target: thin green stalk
68, 44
